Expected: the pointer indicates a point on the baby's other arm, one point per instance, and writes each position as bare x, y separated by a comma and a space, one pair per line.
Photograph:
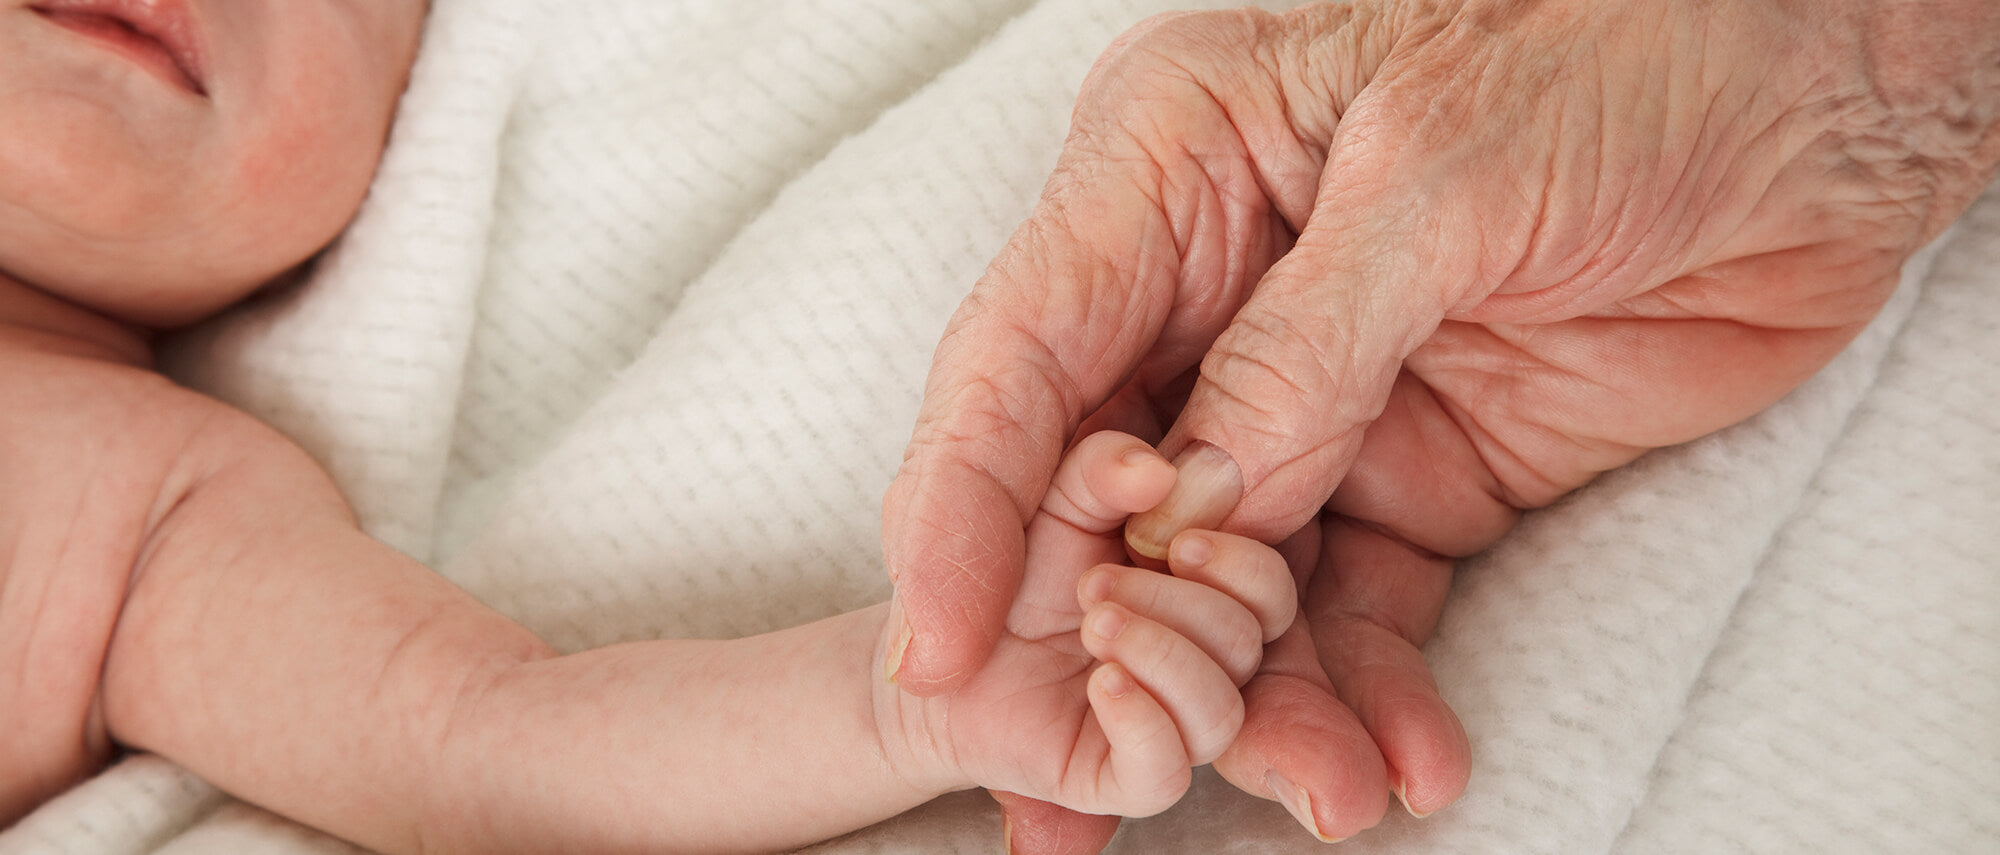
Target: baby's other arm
77, 488
180, 578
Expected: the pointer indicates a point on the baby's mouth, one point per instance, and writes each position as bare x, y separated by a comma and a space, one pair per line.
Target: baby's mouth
158, 35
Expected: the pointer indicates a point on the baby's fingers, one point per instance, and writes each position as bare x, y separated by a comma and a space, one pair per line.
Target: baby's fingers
1149, 768
1226, 632
1107, 477
1249, 571
1202, 700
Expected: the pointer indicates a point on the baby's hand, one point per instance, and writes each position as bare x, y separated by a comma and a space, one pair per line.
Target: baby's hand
1111, 682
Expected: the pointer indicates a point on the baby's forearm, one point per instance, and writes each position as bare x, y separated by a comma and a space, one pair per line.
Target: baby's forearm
275, 649
752, 744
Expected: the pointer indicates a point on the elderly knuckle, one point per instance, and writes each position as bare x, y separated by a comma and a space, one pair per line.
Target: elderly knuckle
1270, 363
1174, 34
1166, 52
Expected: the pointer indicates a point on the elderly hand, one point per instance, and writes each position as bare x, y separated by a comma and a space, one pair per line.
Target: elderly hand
1437, 262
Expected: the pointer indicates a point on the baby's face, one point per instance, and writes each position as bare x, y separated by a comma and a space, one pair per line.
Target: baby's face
161, 158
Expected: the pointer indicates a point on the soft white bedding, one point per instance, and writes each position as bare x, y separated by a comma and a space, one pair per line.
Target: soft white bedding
629, 337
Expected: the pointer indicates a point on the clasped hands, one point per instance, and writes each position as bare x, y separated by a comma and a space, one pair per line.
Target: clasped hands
1379, 277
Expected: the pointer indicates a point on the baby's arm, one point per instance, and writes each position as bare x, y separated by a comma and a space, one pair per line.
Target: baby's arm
270, 646
180, 578
299, 663
794, 736
176, 577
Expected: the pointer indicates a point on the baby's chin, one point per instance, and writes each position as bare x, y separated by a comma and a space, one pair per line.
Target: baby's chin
165, 306
154, 296
151, 261
83, 248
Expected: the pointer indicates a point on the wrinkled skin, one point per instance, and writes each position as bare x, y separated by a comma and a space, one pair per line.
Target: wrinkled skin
1417, 267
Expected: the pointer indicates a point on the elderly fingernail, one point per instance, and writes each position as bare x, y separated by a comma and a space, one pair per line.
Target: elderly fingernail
893, 663
1403, 795
1208, 486
1298, 802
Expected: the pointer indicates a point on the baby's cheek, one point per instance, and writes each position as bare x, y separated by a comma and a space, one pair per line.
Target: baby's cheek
306, 133
296, 186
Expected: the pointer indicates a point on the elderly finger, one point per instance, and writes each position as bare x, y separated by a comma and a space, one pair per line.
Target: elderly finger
1181, 182
1372, 606
1035, 827
1304, 748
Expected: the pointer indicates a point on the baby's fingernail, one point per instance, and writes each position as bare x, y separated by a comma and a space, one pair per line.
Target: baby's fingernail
1108, 622
1116, 682
893, 663
1298, 802
1403, 795
1006, 833
1095, 587
1139, 457
1209, 485
1191, 551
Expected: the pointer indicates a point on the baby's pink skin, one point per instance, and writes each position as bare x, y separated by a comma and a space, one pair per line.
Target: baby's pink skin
139, 199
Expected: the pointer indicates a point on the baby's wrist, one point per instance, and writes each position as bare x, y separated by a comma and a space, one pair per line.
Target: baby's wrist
912, 731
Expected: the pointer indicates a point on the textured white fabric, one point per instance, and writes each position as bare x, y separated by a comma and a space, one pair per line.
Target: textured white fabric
629, 337
1853, 702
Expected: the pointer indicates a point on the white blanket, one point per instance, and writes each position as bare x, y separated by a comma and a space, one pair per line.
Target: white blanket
630, 335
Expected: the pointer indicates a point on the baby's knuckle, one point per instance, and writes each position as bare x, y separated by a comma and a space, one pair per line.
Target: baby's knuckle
1275, 617
1163, 795
1216, 737
1244, 650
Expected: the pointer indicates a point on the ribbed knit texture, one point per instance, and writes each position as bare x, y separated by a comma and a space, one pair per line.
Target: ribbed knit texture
630, 335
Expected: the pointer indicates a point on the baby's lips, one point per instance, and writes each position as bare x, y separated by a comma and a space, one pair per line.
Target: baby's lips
1209, 486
